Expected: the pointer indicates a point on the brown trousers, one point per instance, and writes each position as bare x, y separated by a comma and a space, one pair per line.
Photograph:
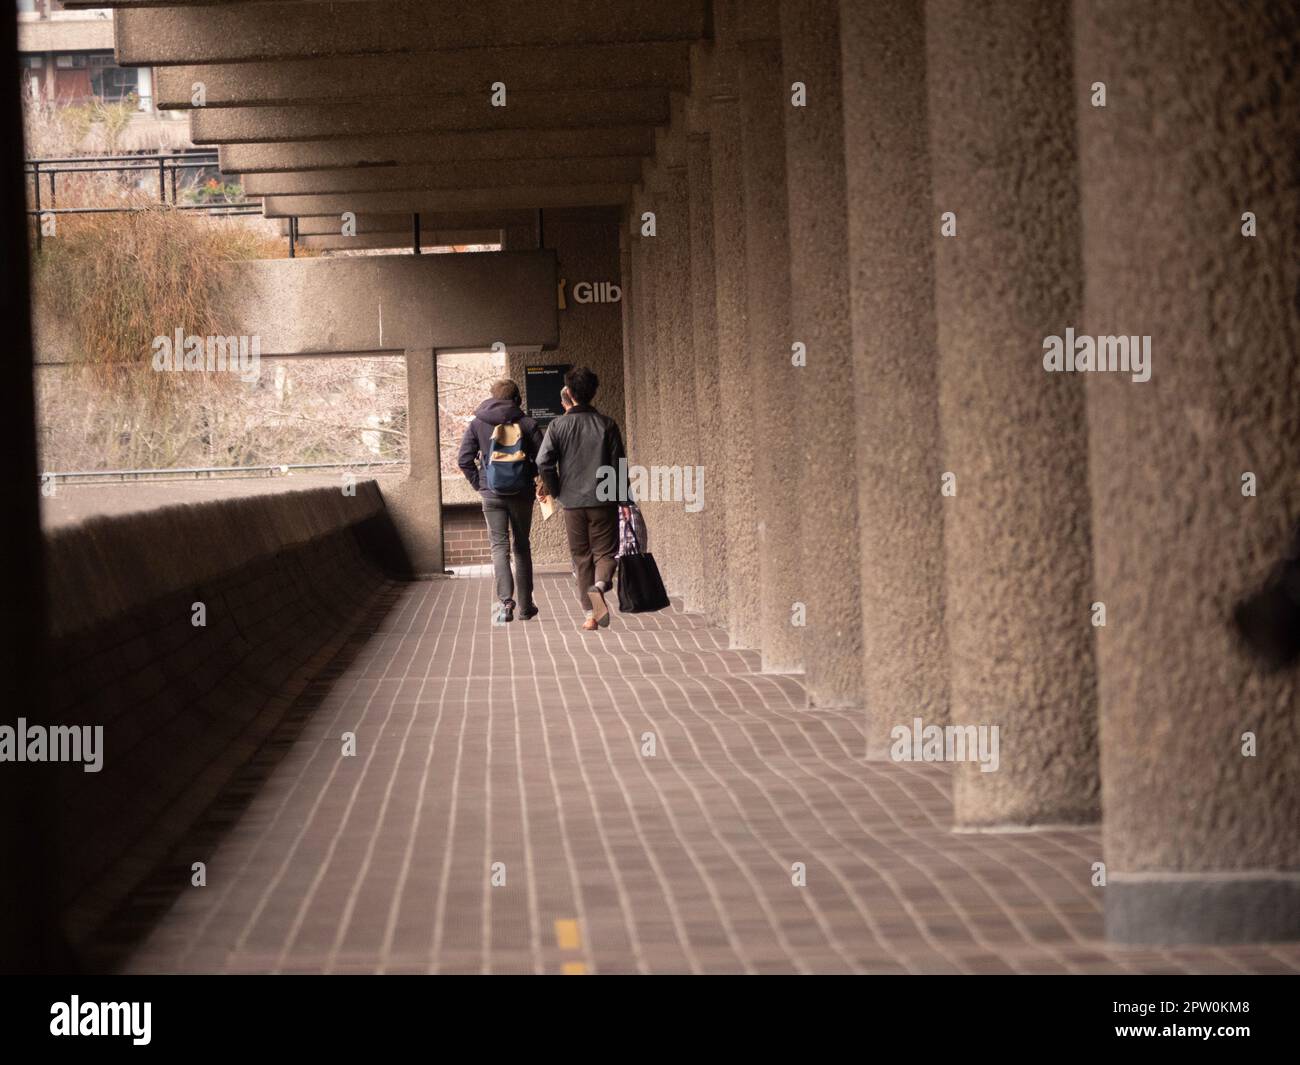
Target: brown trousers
593, 539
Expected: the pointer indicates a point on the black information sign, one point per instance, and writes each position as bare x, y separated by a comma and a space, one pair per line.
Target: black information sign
542, 386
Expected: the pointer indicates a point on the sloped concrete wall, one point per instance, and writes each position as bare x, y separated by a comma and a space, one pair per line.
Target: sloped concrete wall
283, 578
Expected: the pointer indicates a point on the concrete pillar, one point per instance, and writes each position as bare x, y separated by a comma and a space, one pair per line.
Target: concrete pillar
735, 378
714, 453
627, 283
650, 361
675, 351
772, 424
1002, 139
819, 320
891, 233
1202, 841
416, 502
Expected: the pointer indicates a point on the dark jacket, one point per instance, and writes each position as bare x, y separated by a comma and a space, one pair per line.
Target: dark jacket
476, 444
581, 453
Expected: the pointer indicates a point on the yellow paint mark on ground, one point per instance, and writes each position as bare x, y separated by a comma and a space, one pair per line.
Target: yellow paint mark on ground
573, 968
567, 935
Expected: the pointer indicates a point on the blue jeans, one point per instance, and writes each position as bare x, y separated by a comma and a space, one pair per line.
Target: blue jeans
511, 517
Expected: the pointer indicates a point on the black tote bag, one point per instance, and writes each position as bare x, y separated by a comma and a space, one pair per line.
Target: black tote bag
640, 588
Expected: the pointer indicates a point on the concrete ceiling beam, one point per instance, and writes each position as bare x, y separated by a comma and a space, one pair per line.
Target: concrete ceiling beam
395, 150
434, 147
244, 32
355, 79
444, 200
452, 175
547, 110
431, 221
401, 239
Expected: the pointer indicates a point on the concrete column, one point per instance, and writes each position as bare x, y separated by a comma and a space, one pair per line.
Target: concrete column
674, 306
1002, 139
772, 424
650, 361
710, 431
628, 284
416, 502
819, 319
1202, 838
735, 380
891, 233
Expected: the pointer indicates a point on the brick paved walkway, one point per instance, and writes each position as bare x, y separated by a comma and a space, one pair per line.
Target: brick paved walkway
522, 744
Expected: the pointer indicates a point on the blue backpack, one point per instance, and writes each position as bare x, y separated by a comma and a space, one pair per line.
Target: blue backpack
508, 470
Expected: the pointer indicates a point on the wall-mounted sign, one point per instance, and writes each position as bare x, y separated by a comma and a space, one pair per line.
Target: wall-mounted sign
542, 386
590, 292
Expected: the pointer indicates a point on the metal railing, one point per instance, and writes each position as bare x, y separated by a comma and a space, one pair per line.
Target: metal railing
204, 472
167, 165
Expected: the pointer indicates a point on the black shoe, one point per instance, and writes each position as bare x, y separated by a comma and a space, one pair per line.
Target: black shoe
529, 612
505, 612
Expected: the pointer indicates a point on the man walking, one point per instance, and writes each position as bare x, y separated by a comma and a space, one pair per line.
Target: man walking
581, 448
498, 456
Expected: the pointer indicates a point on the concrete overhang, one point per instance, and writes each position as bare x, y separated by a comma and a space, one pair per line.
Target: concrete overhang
434, 147
444, 200
430, 221
401, 239
451, 175
392, 303
524, 110
380, 78
244, 32
85, 34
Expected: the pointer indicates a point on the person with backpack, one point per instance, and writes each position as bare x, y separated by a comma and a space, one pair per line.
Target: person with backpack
582, 448
498, 456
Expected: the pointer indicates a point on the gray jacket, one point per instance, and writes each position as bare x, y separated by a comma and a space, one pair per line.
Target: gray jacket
579, 459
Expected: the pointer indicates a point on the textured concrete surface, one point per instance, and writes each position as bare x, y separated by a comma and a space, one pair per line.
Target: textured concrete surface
388, 303
522, 745
380, 78
735, 378
182, 707
524, 110
240, 32
110, 564
825, 415
72, 503
683, 564
407, 201
1201, 126
396, 149
891, 233
456, 174
774, 420
415, 501
714, 454
1018, 619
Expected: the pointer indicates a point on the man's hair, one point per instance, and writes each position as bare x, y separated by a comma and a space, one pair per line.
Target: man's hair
582, 384
505, 389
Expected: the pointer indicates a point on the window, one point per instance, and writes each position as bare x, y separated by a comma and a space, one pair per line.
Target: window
114, 83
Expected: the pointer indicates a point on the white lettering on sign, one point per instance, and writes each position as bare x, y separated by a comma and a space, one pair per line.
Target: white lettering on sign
596, 292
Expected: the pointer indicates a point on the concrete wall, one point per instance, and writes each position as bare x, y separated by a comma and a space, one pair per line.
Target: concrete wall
391, 303
283, 579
